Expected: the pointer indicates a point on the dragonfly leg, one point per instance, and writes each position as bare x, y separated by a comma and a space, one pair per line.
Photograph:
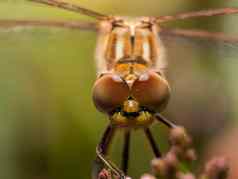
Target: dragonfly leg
126, 150
165, 121
101, 152
153, 145
106, 140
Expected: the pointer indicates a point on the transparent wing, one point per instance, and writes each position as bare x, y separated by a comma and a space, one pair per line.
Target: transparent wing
8, 24
195, 14
202, 72
222, 45
199, 34
72, 7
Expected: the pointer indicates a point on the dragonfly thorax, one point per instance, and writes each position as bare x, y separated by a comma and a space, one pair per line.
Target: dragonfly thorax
124, 40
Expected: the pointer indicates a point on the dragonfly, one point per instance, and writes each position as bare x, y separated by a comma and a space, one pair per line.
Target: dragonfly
131, 86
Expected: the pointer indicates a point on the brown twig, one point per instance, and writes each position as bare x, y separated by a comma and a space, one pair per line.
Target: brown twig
216, 168
168, 166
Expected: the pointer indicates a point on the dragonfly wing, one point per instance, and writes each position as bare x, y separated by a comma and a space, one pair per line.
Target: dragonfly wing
201, 73
225, 46
72, 7
11, 24
218, 37
196, 14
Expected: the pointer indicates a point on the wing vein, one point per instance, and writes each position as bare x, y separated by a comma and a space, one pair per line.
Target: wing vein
202, 34
49, 23
194, 14
72, 7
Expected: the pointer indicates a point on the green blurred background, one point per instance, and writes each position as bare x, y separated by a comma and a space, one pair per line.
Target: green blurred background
48, 125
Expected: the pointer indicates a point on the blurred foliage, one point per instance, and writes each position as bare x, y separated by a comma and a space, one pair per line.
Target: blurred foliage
48, 125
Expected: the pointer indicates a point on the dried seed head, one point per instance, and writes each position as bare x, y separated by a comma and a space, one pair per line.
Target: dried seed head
147, 176
190, 155
177, 150
165, 166
159, 166
184, 154
128, 178
178, 136
171, 160
104, 174
217, 168
185, 176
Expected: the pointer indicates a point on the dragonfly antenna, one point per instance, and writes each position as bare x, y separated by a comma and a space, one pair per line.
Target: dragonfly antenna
72, 7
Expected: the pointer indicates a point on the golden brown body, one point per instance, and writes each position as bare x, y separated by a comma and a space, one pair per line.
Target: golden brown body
130, 51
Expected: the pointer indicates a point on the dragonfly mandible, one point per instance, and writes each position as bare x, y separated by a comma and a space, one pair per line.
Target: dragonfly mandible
131, 87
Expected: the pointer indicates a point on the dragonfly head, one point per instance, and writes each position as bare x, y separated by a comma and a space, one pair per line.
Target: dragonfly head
149, 92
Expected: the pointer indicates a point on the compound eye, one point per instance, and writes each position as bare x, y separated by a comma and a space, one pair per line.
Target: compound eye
109, 92
151, 91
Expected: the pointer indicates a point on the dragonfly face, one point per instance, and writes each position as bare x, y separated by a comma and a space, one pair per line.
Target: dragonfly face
131, 84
